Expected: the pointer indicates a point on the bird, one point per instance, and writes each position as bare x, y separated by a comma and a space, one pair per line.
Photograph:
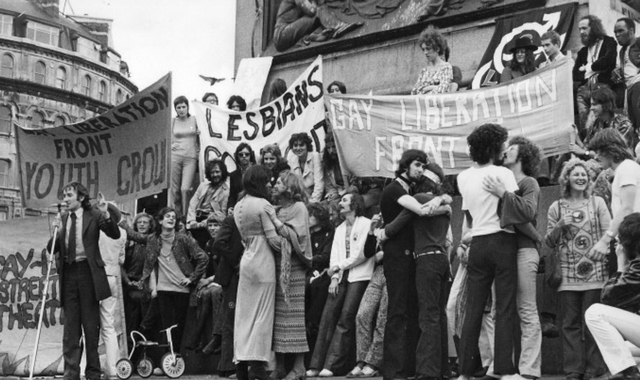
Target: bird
212, 80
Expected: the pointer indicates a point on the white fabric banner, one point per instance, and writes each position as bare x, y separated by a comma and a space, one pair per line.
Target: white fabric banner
300, 109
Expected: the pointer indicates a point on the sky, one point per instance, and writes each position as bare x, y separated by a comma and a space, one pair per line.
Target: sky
187, 37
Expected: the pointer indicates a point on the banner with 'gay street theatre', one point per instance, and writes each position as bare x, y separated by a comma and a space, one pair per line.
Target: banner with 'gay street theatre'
123, 153
372, 131
299, 109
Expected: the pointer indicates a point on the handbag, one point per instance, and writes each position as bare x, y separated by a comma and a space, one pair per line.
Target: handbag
553, 268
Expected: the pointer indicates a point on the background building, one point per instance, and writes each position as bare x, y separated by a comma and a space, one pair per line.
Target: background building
54, 70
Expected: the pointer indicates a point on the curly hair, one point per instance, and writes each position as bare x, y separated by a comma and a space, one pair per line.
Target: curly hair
220, 164
486, 142
528, 66
273, 149
152, 224
597, 31
528, 155
321, 214
629, 235
303, 138
295, 189
433, 39
610, 143
160, 215
567, 169
408, 156
238, 99
340, 85
605, 97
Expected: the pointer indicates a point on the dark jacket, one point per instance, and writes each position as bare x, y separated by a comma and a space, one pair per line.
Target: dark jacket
228, 245
623, 289
92, 223
605, 63
235, 187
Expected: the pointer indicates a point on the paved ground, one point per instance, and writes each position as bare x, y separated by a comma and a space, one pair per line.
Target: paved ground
211, 377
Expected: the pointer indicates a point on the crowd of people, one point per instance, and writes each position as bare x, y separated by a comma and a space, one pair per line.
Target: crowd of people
339, 275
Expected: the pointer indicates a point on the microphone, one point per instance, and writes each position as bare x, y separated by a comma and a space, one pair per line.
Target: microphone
58, 205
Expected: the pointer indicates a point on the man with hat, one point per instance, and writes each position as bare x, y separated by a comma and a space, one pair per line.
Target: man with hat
523, 61
82, 277
112, 251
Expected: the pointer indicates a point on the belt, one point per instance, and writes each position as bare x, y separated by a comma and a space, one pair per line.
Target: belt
435, 252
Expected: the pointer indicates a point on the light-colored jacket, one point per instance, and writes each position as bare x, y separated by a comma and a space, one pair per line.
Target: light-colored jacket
218, 202
312, 175
112, 252
360, 268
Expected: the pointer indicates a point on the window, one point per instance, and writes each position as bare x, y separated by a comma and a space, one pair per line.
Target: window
40, 72
86, 85
6, 67
61, 78
58, 121
88, 48
5, 166
6, 25
118, 96
43, 33
6, 121
103, 91
37, 121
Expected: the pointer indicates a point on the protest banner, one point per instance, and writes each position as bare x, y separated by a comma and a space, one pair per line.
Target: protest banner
300, 109
372, 131
123, 153
23, 268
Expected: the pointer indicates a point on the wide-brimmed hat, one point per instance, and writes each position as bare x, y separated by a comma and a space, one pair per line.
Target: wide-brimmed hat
524, 42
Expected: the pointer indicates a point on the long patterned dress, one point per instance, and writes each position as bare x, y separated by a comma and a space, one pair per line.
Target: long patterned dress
257, 285
290, 335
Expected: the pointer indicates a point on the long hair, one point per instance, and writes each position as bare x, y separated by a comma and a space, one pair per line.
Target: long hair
221, 165
606, 98
81, 191
277, 88
321, 214
255, 181
273, 149
357, 203
160, 215
238, 99
610, 143
567, 169
240, 148
152, 224
528, 155
408, 156
485, 142
328, 161
597, 31
528, 66
295, 189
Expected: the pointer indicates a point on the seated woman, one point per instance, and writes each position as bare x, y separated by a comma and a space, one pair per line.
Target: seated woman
438, 74
271, 158
615, 323
307, 164
523, 61
350, 273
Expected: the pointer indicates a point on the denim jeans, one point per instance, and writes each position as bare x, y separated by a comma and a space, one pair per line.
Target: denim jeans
183, 172
581, 355
432, 275
491, 257
371, 319
531, 341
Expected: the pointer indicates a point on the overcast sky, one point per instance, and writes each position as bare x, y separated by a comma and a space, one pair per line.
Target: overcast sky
187, 37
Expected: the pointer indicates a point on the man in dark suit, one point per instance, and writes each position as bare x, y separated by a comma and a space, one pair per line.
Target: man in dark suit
82, 277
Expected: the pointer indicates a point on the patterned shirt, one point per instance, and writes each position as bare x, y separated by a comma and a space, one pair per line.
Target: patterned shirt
441, 78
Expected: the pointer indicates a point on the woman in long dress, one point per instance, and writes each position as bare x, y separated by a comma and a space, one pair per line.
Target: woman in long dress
292, 261
257, 285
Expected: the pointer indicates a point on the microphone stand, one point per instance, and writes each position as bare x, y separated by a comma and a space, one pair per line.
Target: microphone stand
44, 295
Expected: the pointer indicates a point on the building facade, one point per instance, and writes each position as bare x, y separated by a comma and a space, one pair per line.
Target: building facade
54, 70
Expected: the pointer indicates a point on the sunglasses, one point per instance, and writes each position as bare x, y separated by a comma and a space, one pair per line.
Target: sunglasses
244, 154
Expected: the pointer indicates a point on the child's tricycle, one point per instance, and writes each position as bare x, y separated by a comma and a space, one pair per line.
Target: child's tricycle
172, 363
